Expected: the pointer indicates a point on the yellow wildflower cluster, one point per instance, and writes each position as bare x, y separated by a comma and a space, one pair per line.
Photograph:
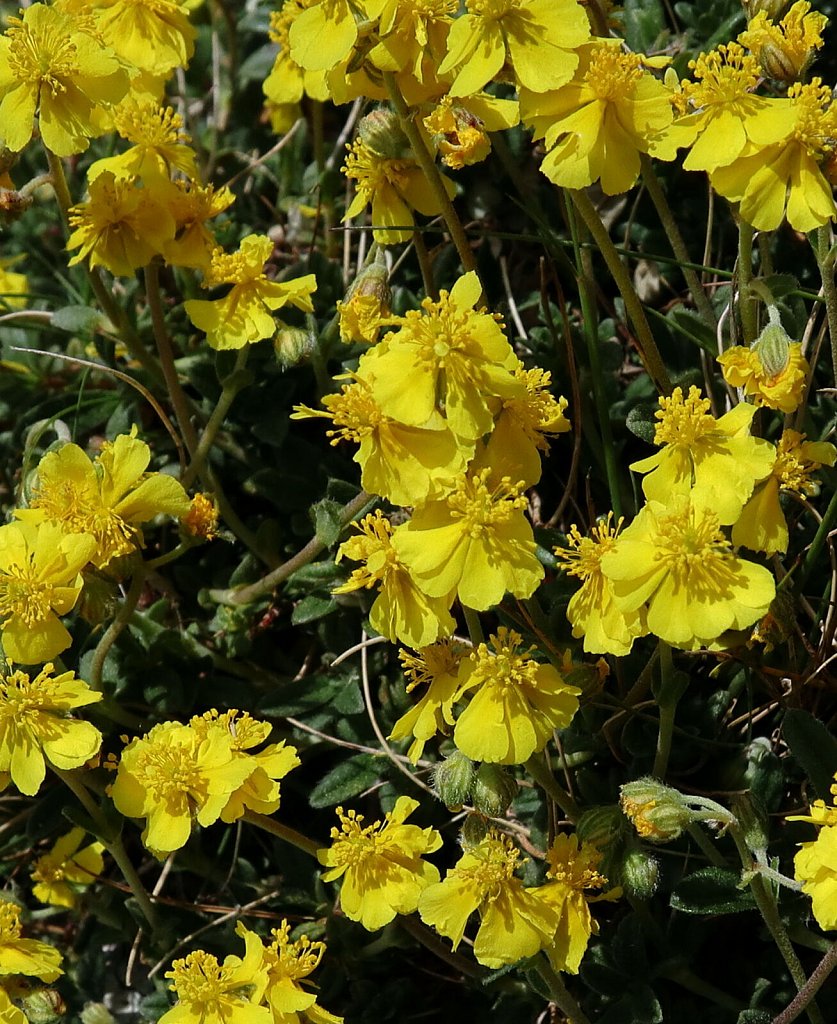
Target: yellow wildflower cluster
674, 571
268, 985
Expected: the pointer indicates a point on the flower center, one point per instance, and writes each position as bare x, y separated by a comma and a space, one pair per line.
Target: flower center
482, 508
42, 55
723, 75
612, 72
683, 421
23, 595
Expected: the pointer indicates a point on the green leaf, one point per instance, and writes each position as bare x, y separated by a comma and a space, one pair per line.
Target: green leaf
712, 891
327, 521
693, 327
754, 1017
311, 608
814, 748
638, 1006
345, 781
642, 422
79, 319
644, 23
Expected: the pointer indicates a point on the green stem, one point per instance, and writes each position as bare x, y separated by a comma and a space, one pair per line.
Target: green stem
810, 988
825, 261
713, 854
425, 266
814, 555
262, 587
177, 396
431, 172
538, 768
769, 911
232, 385
114, 846
472, 621
114, 312
667, 697
283, 832
671, 228
646, 346
559, 993
746, 302
112, 633
584, 274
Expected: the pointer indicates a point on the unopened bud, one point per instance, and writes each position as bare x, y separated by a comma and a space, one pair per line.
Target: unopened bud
773, 345
657, 812
381, 132
751, 815
639, 874
99, 598
493, 790
453, 779
774, 9
366, 305
600, 825
292, 345
777, 63
96, 1013
474, 830
43, 1006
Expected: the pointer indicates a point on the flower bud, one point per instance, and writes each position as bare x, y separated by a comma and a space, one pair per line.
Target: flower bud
600, 825
453, 779
292, 344
96, 1013
773, 345
474, 830
777, 63
381, 133
639, 873
99, 598
43, 1006
493, 790
751, 815
774, 9
657, 812
367, 303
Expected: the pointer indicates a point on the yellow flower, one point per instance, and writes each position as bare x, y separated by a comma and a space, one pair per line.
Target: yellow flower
459, 128
107, 498
34, 725
213, 993
783, 390
521, 428
698, 448
816, 867
514, 923
395, 187
380, 864
152, 35
287, 82
260, 791
413, 36
288, 965
244, 315
39, 580
675, 559
121, 226
517, 705
776, 179
324, 34
537, 37
159, 144
61, 873
762, 525
14, 288
25, 956
403, 463
202, 518
476, 542
174, 773
725, 114
450, 352
438, 667
573, 868
402, 611
592, 611
595, 127
784, 51
192, 205
50, 66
